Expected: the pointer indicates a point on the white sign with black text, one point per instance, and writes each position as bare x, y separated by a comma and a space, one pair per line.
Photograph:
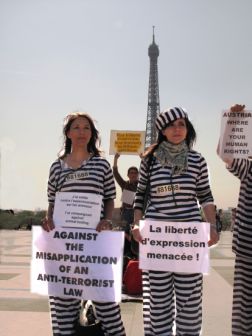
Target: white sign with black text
174, 246
73, 209
77, 263
236, 135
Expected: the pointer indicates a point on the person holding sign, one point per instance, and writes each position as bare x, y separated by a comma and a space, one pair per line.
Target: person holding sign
242, 242
80, 169
128, 194
178, 183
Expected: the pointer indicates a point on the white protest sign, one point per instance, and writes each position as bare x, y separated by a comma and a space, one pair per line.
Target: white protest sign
174, 247
127, 142
236, 135
77, 263
128, 196
77, 210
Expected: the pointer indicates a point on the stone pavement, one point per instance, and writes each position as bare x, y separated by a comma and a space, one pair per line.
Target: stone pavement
25, 314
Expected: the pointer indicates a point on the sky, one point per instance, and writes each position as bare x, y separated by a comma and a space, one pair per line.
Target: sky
60, 56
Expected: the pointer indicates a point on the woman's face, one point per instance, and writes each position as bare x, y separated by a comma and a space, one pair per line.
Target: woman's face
176, 131
80, 132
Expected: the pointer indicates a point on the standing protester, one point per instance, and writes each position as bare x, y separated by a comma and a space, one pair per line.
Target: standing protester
171, 163
80, 168
129, 188
242, 244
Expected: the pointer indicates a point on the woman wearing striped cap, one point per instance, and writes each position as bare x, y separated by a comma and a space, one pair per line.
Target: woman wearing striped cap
178, 186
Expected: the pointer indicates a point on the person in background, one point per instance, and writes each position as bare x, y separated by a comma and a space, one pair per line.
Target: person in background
233, 213
242, 243
179, 184
128, 188
81, 168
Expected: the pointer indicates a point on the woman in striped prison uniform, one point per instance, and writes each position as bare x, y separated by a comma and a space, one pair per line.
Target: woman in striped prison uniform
80, 168
242, 245
178, 178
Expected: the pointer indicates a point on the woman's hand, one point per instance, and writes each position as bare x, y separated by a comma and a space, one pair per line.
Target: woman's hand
136, 234
237, 108
104, 225
47, 224
214, 236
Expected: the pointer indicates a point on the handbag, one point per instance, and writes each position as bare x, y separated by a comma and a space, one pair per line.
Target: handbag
87, 324
94, 329
132, 278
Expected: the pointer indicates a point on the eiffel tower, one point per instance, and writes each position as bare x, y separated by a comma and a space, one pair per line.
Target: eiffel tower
153, 95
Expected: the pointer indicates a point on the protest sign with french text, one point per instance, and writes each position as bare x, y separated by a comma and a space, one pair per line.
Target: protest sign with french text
73, 209
174, 246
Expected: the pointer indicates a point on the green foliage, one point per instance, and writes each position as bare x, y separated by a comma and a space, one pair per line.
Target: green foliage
226, 221
22, 220
8, 221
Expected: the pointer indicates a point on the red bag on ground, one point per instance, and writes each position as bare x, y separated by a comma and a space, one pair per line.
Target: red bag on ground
132, 278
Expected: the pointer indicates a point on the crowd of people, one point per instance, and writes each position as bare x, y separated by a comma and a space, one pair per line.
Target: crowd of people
173, 177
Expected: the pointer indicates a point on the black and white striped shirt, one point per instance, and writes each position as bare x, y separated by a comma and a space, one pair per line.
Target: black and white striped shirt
242, 235
177, 197
94, 176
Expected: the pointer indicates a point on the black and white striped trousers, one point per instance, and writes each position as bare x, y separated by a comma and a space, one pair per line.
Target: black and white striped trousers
172, 297
242, 297
65, 312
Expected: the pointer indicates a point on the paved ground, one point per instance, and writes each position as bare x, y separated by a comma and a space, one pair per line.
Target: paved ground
26, 314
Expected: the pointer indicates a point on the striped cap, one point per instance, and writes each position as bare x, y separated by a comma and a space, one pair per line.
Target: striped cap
170, 115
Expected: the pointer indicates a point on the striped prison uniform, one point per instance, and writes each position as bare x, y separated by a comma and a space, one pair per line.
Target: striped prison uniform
242, 247
94, 176
170, 297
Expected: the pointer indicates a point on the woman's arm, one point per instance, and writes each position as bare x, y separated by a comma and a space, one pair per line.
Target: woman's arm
47, 222
210, 216
106, 222
108, 209
138, 214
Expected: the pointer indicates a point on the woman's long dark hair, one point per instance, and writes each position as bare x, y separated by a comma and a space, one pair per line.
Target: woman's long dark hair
190, 139
94, 143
